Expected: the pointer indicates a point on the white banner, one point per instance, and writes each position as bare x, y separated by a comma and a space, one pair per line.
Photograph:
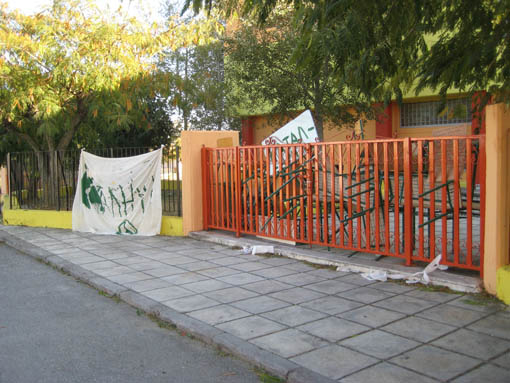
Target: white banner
119, 195
300, 130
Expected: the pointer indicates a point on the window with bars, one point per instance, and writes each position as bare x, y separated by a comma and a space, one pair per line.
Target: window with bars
455, 111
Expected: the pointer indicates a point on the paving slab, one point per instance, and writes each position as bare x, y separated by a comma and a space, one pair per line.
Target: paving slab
435, 362
451, 315
183, 278
147, 285
485, 374
207, 285
494, 325
219, 314
473, 343
419, 329
231, 294
241, 279
251, 327
128, 277
267, 286
190, 303
405, 304
296, 295
250, 266
168, 293
333, 329
260, 304
503, 360
334, 361
365, 295
371, 316
288, 343
274, 272
164, 271
331, 286
300, 279
332, 305
387, 373
379, 344
294, 315
433, 296
217, 272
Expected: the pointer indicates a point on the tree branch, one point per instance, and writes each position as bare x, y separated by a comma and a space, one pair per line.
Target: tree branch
81, 113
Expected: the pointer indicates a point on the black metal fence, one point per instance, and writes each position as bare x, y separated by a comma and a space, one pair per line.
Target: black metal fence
47, 180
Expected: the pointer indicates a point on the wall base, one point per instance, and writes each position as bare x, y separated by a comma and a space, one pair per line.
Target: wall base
503, 275
170, 226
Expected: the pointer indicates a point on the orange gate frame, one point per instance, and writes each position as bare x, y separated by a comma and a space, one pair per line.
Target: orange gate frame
355, 195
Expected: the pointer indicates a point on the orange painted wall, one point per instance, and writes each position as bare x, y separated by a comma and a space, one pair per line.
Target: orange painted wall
3, 180
497, 205
191, 143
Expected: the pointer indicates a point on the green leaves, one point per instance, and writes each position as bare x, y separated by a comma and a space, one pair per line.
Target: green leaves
67, 66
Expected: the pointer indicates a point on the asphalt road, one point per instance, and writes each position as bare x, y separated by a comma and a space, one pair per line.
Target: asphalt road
55, 329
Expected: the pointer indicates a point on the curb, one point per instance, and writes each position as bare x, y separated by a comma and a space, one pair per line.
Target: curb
272, 363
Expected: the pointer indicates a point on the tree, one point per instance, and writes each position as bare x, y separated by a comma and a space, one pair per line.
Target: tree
74, 66
262, 74
198, 90
382, 48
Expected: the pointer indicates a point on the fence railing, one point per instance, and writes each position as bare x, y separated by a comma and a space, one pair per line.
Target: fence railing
407, 198
47, 180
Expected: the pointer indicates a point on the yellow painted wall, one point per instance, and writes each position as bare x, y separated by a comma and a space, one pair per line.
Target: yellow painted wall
171, 226
38, 218
497, 205
503, 275
192, 143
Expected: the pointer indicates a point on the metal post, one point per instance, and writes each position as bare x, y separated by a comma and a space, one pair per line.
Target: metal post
408, 201
309, 191
9, 179
238, 191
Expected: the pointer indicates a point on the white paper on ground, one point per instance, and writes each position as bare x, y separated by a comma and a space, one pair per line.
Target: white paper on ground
262, 250
419, 277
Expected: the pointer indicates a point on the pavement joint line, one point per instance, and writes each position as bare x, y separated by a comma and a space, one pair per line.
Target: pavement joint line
211, 335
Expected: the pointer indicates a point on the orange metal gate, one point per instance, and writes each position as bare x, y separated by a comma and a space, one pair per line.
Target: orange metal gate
407, 198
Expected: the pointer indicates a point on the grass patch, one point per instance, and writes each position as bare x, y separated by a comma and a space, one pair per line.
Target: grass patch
160, 323
438, 289
481, 299
265, 377
115, 298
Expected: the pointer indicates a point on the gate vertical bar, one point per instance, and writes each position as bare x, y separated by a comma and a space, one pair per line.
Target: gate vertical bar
238, 191
205, 189
309, 191
408, 201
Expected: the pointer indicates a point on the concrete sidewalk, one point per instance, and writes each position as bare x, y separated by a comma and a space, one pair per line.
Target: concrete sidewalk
298, 322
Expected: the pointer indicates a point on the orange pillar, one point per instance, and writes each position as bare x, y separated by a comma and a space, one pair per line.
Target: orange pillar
4, 188
497, 206
191, 143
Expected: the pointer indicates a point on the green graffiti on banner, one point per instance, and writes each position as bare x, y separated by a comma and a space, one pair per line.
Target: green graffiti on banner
120, 199
126, 227
93, 197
